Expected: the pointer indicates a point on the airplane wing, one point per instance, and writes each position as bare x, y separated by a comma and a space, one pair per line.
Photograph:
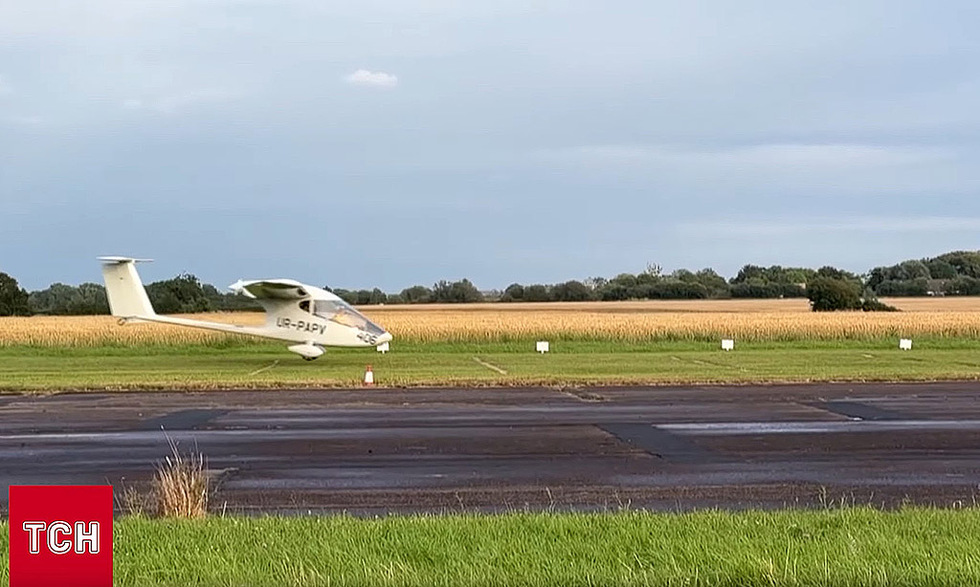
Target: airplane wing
271, 289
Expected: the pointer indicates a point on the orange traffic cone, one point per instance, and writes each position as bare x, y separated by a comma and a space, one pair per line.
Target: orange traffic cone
369, 376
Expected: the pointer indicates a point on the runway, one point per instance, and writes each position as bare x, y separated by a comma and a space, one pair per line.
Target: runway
369, 451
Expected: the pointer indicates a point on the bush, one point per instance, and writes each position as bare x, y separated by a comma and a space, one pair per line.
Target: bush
827, 294
875, 305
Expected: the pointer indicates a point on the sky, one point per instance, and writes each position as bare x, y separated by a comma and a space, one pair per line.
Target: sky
387, 143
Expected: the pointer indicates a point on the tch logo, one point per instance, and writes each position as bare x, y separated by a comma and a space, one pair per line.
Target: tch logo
60, 535
85, 540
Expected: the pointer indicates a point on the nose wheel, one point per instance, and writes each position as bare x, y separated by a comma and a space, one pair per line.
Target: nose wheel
310, 358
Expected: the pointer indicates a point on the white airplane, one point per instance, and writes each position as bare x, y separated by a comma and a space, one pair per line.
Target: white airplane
309, 316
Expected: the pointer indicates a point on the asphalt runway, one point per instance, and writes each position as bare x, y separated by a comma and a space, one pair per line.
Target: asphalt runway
369, 451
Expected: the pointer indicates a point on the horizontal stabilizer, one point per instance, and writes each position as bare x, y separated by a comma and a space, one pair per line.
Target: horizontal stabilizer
123, 260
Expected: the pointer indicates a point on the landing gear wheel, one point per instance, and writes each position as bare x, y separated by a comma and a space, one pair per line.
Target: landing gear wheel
310, 358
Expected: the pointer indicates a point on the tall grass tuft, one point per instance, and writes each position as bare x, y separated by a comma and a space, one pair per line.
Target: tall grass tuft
181, 485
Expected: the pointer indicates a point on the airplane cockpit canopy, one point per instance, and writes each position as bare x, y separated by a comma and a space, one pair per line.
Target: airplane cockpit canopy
341, 312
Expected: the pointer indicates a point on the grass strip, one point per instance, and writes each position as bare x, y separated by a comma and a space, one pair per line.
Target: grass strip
849, 546
447, 364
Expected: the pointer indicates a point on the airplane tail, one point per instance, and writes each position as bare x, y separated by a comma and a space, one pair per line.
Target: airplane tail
127, 297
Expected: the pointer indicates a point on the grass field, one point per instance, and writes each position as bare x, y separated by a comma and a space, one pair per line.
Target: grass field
849, 546
507, 364
492, 344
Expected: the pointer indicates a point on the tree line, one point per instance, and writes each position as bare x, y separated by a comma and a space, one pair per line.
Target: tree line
951, 274
183, 294
955, 273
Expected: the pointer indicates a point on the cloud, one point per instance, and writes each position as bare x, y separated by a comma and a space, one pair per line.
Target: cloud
172, 103
377, 79
868, 224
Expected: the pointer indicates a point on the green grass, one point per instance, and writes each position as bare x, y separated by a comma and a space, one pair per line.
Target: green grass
569, 363
849, 546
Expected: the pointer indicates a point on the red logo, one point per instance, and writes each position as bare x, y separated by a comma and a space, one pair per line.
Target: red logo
60, 535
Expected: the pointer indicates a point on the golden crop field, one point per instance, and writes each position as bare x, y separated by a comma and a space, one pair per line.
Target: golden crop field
746, 320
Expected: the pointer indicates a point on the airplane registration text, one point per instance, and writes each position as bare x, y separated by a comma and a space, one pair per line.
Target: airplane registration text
301, 325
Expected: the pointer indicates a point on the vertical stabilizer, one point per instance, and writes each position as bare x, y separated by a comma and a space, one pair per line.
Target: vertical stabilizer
127, 297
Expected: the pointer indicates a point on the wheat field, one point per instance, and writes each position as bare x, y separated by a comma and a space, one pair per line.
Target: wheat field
745, 320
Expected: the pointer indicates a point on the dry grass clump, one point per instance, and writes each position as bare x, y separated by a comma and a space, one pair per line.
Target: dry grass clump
181, 485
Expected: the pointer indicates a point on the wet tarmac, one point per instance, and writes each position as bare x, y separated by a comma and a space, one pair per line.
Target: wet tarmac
369, 451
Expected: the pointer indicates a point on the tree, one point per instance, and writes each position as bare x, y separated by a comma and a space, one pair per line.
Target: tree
623, 279
940, 269
756, 289
684, 275
827, 294
571, 291
715, 284
595, 283
672, 290
654, 270
417, 294
13, 299
368, 297
614, 292
378, 297
915, 270
61, 299
966, 263
536, 293
55, 300
835, 273
345, 294
913, 287
749, 272
183, 294
964, 286
513, 293
457, 292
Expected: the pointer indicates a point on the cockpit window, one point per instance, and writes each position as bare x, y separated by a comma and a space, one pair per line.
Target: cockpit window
305, 305
342, 313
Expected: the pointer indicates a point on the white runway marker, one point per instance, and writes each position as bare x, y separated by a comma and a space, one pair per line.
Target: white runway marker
274, 363
490, 366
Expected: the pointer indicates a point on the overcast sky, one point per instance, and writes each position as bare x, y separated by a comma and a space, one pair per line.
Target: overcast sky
388, 143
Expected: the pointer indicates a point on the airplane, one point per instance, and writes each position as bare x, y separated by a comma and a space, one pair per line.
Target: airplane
311, 317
